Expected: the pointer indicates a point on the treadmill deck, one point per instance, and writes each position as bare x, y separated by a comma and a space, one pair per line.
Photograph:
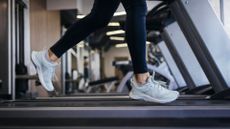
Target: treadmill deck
113, 111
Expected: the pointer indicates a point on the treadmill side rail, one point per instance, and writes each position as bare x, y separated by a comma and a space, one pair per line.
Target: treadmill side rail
208, 40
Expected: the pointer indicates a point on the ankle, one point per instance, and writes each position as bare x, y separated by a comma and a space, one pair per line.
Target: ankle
52, 57
142, 78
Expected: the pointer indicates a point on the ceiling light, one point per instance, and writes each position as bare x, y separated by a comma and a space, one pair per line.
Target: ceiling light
119, 13
115, 32
126, 45
81, 44
80, 16
121, 45
147, 42
114, 24
117, 38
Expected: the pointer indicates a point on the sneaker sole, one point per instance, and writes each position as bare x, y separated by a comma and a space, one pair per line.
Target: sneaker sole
38, 67
151, 99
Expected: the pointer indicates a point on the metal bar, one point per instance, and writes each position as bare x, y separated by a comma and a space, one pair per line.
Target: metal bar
9, 48
64, 67
172, 65
29, 77
87, 98
96, 94
12, 51
115, 97
21, 34
179, 62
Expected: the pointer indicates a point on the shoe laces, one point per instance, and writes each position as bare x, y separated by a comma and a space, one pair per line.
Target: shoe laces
157, 85
162, 83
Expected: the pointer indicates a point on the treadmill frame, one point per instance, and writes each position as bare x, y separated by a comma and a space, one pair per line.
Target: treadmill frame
184, 15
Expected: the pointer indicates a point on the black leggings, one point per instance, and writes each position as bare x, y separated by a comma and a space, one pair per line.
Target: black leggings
100, 15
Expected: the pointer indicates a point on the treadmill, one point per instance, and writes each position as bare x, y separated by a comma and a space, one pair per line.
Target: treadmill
207, 39
204, 31
178, 53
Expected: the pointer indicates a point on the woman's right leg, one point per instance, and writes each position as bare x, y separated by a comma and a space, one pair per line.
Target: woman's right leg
144, 87
45, 62
99, 17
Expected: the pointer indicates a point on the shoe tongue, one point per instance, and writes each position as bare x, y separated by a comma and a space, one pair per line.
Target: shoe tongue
149, 79
153, 75
152, 78
47, 61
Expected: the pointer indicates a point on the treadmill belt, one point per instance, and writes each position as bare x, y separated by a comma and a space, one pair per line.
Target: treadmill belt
107, 103
114, 113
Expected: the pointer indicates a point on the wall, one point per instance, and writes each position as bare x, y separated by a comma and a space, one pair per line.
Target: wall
109, 58
45, 29
61, 4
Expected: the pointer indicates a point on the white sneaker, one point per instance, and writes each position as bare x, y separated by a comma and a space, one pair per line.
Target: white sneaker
45, 69
152, 91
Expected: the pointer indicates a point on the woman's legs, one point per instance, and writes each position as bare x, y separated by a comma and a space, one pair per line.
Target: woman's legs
99, 17
136, 36
102, 12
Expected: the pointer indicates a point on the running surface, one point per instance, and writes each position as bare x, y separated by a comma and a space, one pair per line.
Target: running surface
126, 108
116, 112
111, 101
117, 100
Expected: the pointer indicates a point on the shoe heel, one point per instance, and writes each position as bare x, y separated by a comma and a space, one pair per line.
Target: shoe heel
32, 58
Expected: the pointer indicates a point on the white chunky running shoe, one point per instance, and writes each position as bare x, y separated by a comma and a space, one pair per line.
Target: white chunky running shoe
152, 91
45, 69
